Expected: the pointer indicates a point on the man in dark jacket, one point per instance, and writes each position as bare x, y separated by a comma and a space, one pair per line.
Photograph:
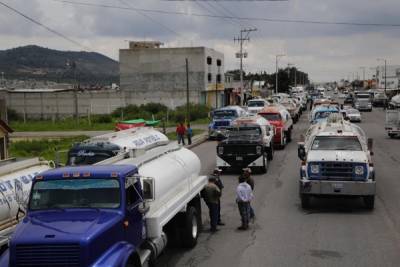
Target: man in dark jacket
218, 182
211, 195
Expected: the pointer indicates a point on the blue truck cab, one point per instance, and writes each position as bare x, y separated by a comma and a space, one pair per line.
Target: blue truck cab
321, 113
81, 216
222, 118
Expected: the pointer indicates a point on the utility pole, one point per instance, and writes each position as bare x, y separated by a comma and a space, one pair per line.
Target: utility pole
276, 73
363, 68
187, 92
383, 59
241, 40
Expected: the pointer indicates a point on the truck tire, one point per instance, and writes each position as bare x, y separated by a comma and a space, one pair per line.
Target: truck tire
264, 168
270, 152
190, 229
289, 136
369, 202
391, 135
305, 201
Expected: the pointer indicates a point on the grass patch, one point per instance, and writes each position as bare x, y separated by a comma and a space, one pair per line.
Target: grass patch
44, 148
62, 125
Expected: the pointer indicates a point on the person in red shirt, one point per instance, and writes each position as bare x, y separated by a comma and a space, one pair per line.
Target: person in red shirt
180, 132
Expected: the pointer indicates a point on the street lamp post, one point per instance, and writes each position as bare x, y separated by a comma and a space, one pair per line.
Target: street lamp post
276, 73
383, 59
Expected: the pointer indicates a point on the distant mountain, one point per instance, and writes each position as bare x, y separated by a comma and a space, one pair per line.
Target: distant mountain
35, 62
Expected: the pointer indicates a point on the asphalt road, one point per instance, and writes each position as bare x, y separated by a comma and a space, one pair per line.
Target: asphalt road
335, 232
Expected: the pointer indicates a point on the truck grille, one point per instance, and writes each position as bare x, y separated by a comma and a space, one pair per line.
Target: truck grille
336, 170
48, 255
221, 123
340, 171
239, 150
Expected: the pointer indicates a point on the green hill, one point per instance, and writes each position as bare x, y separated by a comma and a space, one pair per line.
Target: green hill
35, 62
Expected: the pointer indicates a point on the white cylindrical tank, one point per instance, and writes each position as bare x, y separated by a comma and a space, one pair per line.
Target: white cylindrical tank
10, 172
134, 138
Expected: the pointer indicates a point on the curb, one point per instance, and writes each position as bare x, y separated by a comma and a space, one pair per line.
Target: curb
198, 141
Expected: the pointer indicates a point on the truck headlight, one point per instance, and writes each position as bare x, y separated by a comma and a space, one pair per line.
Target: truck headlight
258, 150
359, 170
314, 168
220, 150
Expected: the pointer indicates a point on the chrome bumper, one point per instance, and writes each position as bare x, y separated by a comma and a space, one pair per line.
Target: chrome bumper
350, 188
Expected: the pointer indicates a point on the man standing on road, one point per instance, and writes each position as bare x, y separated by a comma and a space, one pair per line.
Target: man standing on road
247, 176
244, 195
189, 134
211, 195
180, 133
220, 185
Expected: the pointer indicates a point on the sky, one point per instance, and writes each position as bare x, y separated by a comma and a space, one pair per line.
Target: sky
327, 52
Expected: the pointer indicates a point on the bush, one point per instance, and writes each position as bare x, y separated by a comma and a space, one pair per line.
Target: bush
13, 115
196, 111
102, 119
154, 108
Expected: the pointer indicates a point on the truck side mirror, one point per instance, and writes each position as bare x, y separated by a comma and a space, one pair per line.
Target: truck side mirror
148, 189
19, 198
301, 151
370, 145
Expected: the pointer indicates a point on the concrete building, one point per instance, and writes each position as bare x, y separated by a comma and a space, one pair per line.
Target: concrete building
392, 76
149, 73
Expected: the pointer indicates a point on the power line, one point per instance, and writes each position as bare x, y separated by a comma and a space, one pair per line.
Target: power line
211, 11
151, 19
45, 27
299, 21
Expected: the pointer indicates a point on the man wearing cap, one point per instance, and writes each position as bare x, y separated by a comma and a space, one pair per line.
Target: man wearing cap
211, 195
244, 195
247, 176
218, 182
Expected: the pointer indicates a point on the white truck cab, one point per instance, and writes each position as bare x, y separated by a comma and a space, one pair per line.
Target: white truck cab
255, 105
336, 161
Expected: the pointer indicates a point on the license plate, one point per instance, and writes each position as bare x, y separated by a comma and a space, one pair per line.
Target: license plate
239, 158
337, 186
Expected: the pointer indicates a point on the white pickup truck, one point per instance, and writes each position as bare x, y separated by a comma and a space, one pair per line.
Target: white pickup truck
336, 161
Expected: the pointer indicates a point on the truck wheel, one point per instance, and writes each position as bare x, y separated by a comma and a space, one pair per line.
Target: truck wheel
369, 202
305, 201
270, 153
190, 229
264, 168
391, 135
289, 136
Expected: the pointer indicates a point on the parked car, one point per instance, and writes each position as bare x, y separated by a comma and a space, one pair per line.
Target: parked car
380, 100
255, 105
353, 115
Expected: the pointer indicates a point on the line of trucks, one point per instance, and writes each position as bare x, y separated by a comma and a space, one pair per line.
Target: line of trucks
249, 137
116, 204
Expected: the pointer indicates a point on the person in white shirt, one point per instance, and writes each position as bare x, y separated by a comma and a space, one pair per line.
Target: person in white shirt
244, 195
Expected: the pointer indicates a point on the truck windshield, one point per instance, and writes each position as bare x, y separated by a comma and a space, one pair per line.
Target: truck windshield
256, 104
323, 114
224, 113
336, 143
244, 132
363, 96
272, 116
75, 193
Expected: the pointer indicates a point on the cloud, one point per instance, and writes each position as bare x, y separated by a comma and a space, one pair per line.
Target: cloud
326, 51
